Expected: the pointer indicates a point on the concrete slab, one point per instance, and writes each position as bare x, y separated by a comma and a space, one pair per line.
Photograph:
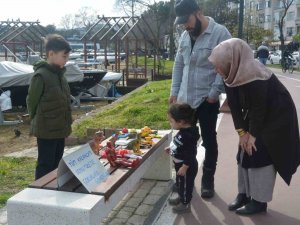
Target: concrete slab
47, 207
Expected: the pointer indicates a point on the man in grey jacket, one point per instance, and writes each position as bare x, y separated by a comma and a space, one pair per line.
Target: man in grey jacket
195, 80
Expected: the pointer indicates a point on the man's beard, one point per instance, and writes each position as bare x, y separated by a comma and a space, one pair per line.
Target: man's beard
195, 32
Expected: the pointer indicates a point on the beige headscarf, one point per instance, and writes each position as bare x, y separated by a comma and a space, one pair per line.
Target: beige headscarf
235, 59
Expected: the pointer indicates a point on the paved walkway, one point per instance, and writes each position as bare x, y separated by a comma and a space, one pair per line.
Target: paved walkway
283, 210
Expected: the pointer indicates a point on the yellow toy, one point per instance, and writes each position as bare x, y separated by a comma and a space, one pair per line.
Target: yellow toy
146, 131
148, 141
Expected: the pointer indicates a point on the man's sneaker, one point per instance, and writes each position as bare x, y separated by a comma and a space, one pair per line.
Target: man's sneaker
182, 208
207, 192
174, 201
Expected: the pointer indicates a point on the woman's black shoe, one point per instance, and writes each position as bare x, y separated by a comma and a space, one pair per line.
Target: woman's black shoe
239, 201
252, 207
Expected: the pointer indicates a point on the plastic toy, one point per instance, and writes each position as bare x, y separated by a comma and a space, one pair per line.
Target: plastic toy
148, 141
146, 131
136, 147
95, 144
113, 160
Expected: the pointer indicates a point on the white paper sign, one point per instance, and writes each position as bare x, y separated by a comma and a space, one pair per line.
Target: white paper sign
85, 165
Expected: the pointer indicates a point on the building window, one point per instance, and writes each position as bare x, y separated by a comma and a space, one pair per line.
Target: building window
261, 18
289, 31
290, 16
268, 18
252, 5
260, 6
268, 4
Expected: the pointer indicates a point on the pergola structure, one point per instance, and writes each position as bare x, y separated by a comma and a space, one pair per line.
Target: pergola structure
21, 36
129, 34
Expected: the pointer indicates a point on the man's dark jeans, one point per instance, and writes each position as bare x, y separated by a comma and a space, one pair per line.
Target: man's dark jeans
50, 152
207, 115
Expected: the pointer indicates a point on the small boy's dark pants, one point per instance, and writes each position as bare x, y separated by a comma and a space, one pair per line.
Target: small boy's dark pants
186, 183
50, 152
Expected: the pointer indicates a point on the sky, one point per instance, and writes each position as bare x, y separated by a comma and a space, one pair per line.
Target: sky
51, 11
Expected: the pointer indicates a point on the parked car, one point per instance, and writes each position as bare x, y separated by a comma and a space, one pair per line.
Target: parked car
296, 56
275, 58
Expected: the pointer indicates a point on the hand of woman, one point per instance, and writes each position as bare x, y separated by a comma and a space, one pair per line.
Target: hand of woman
243, 141
250, 145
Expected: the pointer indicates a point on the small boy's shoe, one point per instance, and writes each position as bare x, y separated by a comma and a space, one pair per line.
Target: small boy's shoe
174, 201
182, 208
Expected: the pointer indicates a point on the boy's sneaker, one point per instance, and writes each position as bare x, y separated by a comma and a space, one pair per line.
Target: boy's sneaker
182, 208
174, 201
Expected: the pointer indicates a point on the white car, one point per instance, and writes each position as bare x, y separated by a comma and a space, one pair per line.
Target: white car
275, 58
296, 56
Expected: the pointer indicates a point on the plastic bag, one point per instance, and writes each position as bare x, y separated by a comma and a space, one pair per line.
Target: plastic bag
5, 101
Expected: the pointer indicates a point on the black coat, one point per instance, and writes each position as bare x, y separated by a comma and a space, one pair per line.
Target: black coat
266, 110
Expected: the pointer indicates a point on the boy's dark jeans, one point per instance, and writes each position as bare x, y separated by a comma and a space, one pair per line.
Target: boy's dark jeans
50, 152
207, 115
186, 183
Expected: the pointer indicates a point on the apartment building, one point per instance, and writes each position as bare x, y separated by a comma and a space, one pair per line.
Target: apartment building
267, 13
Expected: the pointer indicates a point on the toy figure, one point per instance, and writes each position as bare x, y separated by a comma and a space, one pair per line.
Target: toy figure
114, 138
95, 144
148, 141
146, 131
111, 156
137, 145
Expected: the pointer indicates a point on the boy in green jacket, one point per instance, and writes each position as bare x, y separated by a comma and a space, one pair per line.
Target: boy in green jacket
48, 105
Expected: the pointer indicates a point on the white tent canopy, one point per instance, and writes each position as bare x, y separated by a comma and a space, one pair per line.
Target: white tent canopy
19, 74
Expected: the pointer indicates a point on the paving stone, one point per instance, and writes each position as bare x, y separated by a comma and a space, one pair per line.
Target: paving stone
151, 199
123, 214
117, 221
143, 210
141, 193
120, 205
128, 209
136, 220
134, 202
162, 184
159, 190
111, 215
147, 184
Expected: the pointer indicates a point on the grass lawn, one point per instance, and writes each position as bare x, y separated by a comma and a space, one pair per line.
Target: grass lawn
165, 66
15, 175
146, 107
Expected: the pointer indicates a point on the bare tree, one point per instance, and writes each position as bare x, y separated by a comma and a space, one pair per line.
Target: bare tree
132, 7
285, 5
68, 22
85, 17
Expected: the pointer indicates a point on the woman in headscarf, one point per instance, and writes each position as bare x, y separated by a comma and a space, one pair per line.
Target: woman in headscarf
265, 119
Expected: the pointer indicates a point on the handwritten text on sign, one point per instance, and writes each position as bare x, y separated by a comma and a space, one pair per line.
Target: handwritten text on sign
86, 167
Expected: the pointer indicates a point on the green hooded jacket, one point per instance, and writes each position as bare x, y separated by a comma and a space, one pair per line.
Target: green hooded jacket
48, 102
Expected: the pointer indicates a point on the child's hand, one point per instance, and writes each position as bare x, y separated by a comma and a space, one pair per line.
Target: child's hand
182, 170
167, 150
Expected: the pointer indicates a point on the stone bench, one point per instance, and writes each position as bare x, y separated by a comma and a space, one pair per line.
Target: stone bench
43, 202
